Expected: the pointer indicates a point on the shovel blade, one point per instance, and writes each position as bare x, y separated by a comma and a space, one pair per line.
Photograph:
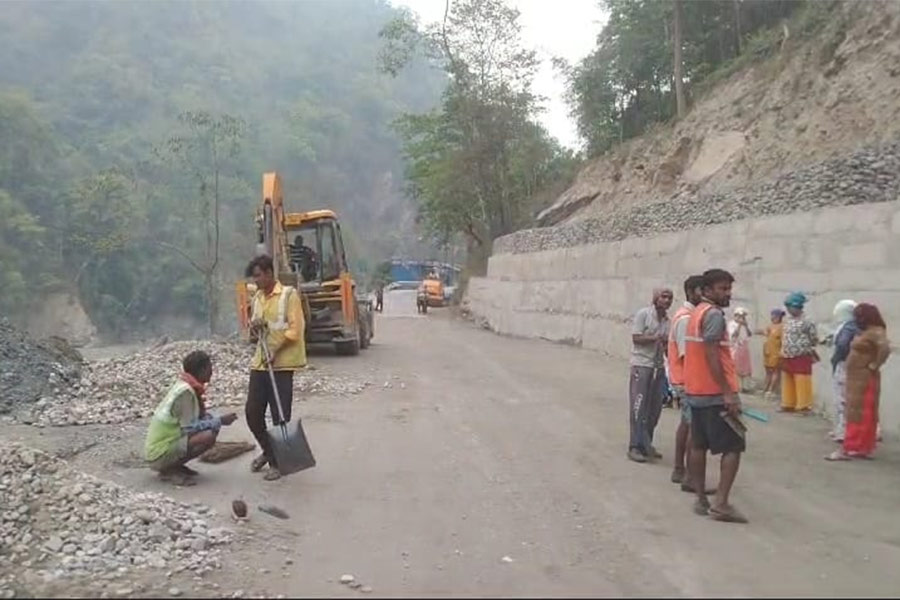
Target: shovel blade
290, 448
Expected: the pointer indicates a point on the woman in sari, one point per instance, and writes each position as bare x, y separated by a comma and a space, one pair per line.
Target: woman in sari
772, 353
868, 351
739, 332
798, 353
843, 336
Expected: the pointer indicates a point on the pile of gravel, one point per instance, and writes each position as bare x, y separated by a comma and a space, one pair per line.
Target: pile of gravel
871, 174
122, 389
57, 524
28, 367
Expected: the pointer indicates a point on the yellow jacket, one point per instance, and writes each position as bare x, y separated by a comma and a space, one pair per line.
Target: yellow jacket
283, 313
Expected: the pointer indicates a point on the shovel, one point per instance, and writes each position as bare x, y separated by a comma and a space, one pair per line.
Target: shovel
287, 440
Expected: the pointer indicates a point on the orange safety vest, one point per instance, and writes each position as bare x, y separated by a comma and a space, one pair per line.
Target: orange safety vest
676, 363
698, 377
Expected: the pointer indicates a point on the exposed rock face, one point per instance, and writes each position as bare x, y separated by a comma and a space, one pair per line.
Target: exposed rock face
871, 174
62, 315
819, 98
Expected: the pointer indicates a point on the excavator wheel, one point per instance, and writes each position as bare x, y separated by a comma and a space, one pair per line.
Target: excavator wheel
364, 338
350, 348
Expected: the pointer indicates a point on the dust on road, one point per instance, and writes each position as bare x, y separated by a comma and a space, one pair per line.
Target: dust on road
490, 466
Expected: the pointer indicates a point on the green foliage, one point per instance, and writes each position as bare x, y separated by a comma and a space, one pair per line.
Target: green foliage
476, 163
626, 84
111, 128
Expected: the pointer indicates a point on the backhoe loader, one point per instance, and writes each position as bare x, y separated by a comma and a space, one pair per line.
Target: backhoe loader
307, 250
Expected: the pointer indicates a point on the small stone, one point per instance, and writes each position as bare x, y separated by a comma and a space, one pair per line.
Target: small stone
145, 515
347, 579
174, 591
354, 585
366, 589
289, 561
54, 544
156, 561
108, 544
506, 559
199, 544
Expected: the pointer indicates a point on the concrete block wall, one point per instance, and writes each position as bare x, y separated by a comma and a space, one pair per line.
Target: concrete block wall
586, 295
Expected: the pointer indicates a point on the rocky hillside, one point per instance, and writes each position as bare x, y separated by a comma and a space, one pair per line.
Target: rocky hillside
826, 98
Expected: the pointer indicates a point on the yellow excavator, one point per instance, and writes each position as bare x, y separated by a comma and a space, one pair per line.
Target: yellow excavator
307, 250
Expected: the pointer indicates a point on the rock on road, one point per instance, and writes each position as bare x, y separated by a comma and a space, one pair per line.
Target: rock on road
490, 466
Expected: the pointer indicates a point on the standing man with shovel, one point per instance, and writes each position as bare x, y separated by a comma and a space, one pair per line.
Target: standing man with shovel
278, 317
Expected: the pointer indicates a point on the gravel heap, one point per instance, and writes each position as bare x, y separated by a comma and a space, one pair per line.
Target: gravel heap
127, 388
27, 367
57, 524
871, 174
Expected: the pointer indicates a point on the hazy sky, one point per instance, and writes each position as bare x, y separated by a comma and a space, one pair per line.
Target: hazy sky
565, 28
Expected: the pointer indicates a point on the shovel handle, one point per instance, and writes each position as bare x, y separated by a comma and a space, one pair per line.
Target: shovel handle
268, 358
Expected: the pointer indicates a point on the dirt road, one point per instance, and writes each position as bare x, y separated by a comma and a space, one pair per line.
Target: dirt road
469, 448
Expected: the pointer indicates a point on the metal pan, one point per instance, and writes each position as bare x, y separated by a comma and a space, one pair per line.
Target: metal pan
286, 439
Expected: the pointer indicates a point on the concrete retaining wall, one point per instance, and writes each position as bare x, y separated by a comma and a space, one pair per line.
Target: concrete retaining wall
586, 295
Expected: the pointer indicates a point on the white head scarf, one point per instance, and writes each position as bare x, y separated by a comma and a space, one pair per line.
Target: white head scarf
843, 311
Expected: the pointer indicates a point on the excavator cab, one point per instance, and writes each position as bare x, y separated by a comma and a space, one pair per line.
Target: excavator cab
308, 253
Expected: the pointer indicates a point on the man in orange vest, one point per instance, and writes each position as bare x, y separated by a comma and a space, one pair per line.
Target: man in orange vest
711, 390
693, 287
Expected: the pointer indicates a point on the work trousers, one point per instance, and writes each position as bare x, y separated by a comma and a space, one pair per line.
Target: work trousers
260, 396
796, 391
645, 392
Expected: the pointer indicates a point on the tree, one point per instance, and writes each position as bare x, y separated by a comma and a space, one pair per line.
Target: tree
677, 42
20, 246
475, 163
649, 56
205, 151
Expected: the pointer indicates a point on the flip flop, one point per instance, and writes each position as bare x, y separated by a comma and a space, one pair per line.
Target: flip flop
837, 455
728, 515
186, 470
258, 463
861, 456
272, 474
701, 508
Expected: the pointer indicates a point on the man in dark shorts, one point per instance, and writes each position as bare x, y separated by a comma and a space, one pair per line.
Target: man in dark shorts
711, 390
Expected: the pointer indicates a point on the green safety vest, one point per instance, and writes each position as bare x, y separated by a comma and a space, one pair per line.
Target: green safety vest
165, 428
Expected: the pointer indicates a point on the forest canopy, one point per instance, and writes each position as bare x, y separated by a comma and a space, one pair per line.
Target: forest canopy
109, 112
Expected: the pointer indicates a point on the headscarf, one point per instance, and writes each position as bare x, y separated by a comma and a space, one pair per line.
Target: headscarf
657, 292
199, 389
843, 311
868, 315
795, 300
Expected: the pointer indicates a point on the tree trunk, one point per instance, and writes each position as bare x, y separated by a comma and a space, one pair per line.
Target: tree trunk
212, 303
678, 63
737, 26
